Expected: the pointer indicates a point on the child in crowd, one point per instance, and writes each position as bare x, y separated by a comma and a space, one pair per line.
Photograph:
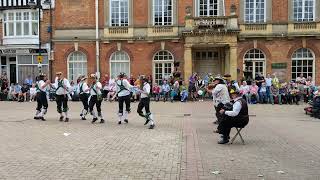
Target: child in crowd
253, 96
183, 92
283, 92
263, 93
156, 92
294, 94
274, 95
165, 89
245, 90
33, 92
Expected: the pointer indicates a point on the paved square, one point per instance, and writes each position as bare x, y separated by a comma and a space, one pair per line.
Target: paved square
281, 143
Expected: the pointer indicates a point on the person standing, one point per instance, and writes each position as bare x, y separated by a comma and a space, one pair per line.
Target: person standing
145, 102
220, 96
268, 88
63, 87
84, 96
123, 92
95, 98
42, 102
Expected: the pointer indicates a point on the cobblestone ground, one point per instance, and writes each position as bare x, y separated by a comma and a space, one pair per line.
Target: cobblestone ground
281, 143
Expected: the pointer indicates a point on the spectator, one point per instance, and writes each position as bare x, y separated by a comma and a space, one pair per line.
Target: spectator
28, 81
263, 93
33, 92
105, 84
156, 92
274, 95
16, 91
183, 92
192, 86
174, 91
259, 80
23, 93
294, 94
165, 89
245, 91
268, 81
283, 92
112, 89
253, 93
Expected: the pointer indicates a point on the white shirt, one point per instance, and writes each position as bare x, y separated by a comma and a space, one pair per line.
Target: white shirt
245, 88
146, 90
236, 108
62, 90
97, 87
126, 85
84, 88
41, 83
33, 91
220, 94
268, 82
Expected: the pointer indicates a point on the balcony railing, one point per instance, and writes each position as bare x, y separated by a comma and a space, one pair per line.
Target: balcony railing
162, 29
255, 27
305, 26
210, 22
118, 30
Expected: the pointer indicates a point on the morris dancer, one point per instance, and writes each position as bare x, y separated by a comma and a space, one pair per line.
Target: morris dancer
95, 98
62, 86
145, 102
42, 102
84, 96
123, 92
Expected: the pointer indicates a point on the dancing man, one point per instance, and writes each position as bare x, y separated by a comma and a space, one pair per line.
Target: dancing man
123, 92
95, 98
62, 86
84, 96
42, 85
145, 102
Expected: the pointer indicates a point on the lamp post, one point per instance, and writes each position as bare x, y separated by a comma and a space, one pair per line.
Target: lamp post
34, 5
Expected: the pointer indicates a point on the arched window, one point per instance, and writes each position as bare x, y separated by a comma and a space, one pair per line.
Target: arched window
162, 66
302, 63
254, 63
119, 62
77, 65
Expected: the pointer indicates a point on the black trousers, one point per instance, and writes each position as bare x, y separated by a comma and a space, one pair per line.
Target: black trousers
228, 122
42, 101
84, 99
126, 100
218, 115
95, 102
144, 103
62, 103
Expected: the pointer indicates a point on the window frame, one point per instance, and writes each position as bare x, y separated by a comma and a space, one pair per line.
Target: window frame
119, 24
119, 61
254, 60
303, 19
68, 63
255, 12
30, 21
313, 59
197, 9
163, 62
162, 23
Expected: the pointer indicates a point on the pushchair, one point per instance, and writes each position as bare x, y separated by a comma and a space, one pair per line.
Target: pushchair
314, 107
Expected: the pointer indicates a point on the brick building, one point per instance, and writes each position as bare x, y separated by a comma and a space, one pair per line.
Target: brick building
158, 37
20, 47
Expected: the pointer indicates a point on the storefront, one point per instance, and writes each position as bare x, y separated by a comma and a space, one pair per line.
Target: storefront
18, 64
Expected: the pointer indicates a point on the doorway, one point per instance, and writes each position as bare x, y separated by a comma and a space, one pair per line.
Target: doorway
13, 70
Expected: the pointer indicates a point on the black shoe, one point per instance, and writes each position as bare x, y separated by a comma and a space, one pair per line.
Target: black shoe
126, 121
215, 122
36, 118
67, 120
151, 126
101, 121
119, 122
61, 118
94, 120
83, 118
223, 141
81, 114
42, 118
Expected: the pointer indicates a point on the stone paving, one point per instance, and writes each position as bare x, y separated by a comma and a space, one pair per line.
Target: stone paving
281, 143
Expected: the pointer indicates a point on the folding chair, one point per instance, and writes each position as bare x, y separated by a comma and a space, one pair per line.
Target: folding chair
238, 133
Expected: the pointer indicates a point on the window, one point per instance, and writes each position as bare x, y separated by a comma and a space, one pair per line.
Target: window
119, 62
302, 63
119, 12
162, 12
254, 63
208, 7
255, 11
77, 65
19, 23
162, 66
304, 10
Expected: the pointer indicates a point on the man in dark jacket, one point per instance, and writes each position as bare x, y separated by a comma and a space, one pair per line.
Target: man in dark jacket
237, 117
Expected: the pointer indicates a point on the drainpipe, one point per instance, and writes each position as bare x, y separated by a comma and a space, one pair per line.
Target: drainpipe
97, 40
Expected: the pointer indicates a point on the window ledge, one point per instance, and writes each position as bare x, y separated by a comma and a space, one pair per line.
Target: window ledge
20, 40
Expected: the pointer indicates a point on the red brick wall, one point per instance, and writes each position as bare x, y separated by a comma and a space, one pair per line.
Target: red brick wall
279, 51
75, 14
140, 12
279, 10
